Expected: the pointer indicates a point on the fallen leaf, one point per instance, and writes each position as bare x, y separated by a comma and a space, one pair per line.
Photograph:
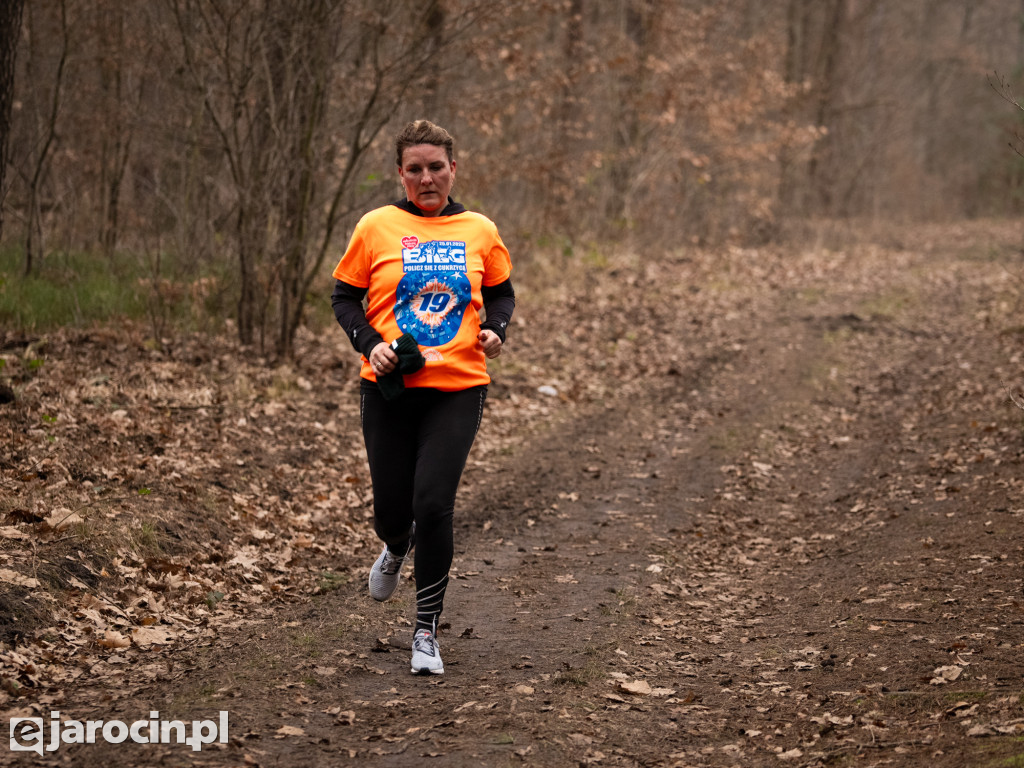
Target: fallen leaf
113, 639
62, 518
848, 720
944, 675
636, 687
147, 636
346, 717
289, 730
962, 709
1008, 730
13, 577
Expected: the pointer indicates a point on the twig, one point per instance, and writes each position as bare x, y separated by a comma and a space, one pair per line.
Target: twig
905, 621
1013, 398
1004, 93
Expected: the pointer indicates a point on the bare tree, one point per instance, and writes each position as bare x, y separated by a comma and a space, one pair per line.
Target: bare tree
1002, 87
235, 140
120, 98
814, 43
295, 95
47, 126
626, 136
10, 32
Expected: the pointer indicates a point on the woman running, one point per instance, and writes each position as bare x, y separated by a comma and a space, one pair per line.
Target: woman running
426, 266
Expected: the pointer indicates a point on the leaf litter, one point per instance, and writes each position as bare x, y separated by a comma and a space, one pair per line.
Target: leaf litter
754, 532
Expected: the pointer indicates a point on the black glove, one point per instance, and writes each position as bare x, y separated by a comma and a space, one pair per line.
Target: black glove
409, 361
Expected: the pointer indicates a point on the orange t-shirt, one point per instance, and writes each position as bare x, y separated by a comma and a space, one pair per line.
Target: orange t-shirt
423, 276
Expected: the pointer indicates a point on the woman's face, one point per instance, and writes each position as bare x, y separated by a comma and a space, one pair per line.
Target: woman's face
427, 177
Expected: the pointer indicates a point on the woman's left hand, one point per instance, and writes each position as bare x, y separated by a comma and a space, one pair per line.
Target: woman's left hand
491, 343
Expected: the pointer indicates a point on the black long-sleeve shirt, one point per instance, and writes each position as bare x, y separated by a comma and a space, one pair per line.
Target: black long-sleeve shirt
347, 301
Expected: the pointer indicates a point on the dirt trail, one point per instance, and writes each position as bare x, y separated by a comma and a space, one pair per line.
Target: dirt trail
798, 543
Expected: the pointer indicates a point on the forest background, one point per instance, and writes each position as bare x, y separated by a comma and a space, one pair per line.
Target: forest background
750, 477
214, 154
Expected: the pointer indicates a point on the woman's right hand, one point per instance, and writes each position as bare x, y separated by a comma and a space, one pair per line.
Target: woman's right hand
383, 358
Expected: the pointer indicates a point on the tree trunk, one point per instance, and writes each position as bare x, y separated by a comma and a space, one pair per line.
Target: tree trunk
117, 140
10, 31
627, 132
795, 70
813, 32
434, 23
34, 223
828, 59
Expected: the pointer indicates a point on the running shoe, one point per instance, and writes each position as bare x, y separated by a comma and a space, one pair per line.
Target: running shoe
426, 655
386, 572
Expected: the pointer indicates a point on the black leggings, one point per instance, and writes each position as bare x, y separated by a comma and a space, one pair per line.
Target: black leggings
417, 446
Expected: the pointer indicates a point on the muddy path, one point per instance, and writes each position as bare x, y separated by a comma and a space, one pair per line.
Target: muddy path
796, 539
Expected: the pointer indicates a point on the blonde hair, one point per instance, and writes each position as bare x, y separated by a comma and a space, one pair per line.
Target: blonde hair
423, 132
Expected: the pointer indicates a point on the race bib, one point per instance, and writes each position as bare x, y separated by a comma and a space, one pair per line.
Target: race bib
432, 297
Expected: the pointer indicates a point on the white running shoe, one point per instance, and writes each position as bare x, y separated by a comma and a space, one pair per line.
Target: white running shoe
426, 655
386, 572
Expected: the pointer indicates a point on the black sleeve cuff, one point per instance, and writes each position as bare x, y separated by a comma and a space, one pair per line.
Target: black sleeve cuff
499, 304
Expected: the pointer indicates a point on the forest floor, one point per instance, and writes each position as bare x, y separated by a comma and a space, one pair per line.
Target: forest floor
755, 507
